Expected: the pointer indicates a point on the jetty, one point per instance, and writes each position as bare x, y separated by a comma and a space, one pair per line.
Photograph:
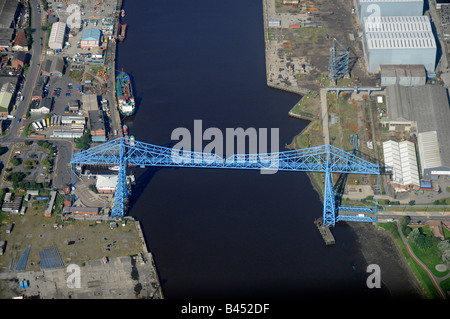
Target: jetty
324, 231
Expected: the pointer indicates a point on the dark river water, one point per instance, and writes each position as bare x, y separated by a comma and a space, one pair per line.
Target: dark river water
225, 233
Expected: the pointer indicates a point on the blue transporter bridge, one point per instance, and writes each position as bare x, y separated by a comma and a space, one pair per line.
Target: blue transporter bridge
327, 159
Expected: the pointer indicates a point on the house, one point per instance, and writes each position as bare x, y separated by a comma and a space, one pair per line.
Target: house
42, 106
19, 59
20, 42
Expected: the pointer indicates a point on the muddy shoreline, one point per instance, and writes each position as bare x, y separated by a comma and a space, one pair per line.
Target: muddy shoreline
379, 247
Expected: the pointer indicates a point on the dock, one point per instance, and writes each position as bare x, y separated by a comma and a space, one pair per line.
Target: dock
324, 231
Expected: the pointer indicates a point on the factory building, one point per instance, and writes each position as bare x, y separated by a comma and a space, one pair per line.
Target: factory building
399, 41
106, 184
56, 39
407, 75
388, 8
424, 112
90, 38
401, 159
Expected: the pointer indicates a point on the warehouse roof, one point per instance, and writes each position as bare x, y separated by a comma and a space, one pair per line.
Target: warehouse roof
6, 35
428, 106
57, 35
91, 34
400, 40
53, 64
8, 10
401, 156
106, 182
430, 156
410, 70
397, 24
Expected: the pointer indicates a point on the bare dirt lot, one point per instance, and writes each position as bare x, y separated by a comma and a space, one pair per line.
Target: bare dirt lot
129, 273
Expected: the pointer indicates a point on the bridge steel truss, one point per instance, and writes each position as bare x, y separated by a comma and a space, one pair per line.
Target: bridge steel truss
124, 152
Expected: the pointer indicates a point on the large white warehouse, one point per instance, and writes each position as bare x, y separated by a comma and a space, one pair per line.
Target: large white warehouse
399, 40
56, 40
388, 8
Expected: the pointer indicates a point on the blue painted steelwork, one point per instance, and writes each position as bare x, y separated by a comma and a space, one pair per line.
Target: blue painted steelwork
123, 152
339, 58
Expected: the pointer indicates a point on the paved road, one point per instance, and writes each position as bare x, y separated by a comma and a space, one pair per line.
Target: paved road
324, 107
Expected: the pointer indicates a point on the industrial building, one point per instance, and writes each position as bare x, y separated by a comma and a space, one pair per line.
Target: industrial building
424, 112
7, 90
399, 40
56, 39
388, 8
106, 184
90, 38
9, 11
89, 102
97, 126
84, 211
6, 37
53, 66
401, 159
67, 134
407, 75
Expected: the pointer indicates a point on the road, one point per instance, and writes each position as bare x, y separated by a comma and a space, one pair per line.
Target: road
13, 136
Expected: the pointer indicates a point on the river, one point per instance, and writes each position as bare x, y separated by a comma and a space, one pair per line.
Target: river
225, 233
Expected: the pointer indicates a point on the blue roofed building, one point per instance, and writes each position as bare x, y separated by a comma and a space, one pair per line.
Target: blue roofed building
90, 38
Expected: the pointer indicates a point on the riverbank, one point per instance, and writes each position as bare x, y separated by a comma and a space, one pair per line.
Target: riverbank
377, 246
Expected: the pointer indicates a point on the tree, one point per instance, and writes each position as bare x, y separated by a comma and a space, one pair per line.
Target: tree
404, 221
82, 143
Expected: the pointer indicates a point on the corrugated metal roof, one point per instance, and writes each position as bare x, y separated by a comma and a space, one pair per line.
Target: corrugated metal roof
407, 70
401, 156
400, 40
429, 107
399, 33
91, 34
430, 156
57, 34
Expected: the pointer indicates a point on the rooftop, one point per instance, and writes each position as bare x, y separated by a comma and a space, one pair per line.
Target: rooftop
428, 106
91, 34
8, 10
397, 24
400, 40
394, 70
